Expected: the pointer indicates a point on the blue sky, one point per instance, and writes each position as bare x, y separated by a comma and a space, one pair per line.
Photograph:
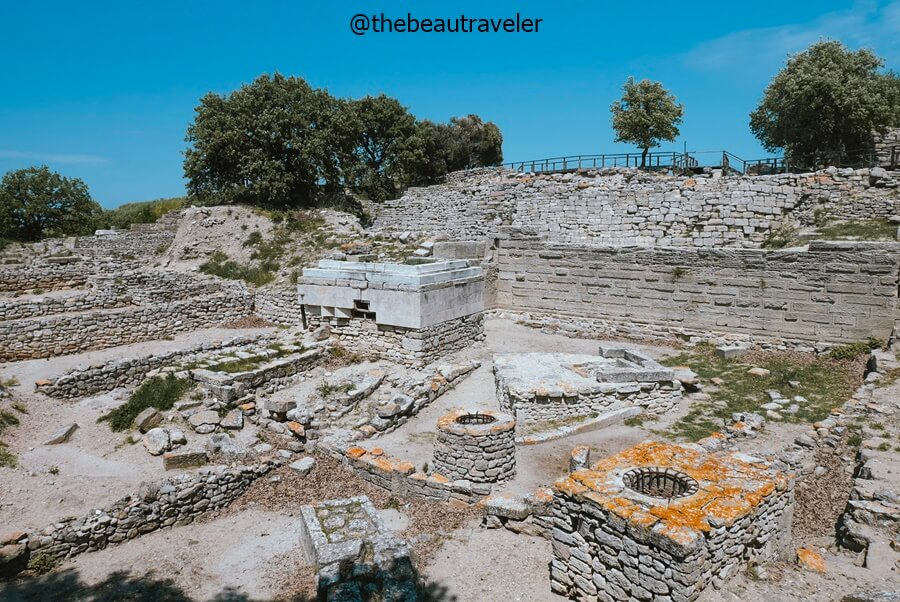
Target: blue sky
103, 91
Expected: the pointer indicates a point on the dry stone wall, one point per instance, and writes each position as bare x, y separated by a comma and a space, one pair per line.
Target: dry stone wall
831, 293
278, 306
628, 207
99, 329
175, 501
410, 347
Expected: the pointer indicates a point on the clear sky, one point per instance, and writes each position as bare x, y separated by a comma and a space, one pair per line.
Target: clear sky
103, 91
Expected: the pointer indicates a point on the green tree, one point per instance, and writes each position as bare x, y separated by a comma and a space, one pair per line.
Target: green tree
36, 203
383, 128
646, 115
826, 103
474, 143
275, 142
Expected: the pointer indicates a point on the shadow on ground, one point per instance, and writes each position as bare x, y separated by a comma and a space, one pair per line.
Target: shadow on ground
121, 585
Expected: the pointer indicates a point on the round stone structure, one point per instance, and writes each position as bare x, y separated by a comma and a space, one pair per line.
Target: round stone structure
476, 445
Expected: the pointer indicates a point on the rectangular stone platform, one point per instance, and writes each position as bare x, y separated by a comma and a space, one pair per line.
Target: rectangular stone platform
553, 386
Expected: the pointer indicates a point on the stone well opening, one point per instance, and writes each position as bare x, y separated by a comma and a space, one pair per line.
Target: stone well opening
475, 418
478, 446
664, 483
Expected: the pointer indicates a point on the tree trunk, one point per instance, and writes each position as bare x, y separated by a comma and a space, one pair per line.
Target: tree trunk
644, 157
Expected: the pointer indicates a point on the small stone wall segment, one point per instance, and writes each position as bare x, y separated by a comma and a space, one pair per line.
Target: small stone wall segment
99, 329
540, 387
409, 347
174, 501
477, 445
401, 478
80, 382
357, 557
629, 207
611, 542
831, 292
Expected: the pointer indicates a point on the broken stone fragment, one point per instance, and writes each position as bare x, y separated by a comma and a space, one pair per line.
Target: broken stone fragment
730, 351
202, 421
810, 560
296, 429
755, 371
321, 333
184, 458
62, 435
233, 420
176, 436
147, 419
157, 441
303, 466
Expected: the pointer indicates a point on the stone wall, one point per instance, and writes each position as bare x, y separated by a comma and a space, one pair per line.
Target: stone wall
174, 501
129, 245
58, 273
887, 148
628, 207
131, 371
99, 329
410, 347
278, 306
831, 293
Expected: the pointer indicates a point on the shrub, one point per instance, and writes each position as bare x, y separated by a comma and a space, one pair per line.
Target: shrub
219, 265
160, 392
41, 563
854, 350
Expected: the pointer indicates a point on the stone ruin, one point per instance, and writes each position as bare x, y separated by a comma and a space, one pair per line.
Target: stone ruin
478, 446
410, 314
540, 387
660, 521
356, 556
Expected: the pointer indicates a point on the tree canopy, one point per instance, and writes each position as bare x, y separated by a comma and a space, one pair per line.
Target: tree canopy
279, 142
646, 115
36, 203
826, 104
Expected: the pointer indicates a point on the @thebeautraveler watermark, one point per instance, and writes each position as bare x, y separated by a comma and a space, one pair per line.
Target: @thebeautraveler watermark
365, 23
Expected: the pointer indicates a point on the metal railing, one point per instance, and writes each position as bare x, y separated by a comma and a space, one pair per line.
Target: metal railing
653, 161
696, 160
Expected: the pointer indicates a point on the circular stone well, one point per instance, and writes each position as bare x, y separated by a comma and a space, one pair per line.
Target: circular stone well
665, 483
479, 446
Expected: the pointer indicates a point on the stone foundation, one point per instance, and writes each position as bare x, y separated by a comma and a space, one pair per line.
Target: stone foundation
357, 557
478, 446
406, 346
540, 387
661, 521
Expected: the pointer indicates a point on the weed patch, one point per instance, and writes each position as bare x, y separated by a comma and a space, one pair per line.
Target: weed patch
160, 392
824, 382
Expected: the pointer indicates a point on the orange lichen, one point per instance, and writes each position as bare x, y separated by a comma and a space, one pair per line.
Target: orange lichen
811, 560
728, 488
355, 452
542, 495
377, 451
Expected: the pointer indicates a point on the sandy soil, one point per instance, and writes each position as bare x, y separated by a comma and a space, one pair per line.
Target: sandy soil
241, 554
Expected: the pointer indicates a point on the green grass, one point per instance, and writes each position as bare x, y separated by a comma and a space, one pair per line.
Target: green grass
160, 392
257, 275
327, 389
145, 212
7, 458
854, 350
825, 382
247, 364
874, 229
